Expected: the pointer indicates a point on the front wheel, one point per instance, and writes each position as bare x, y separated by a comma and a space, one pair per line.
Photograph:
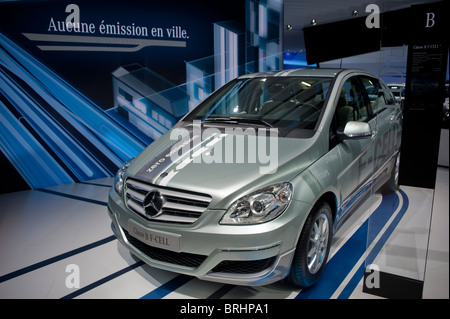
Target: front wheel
313, 247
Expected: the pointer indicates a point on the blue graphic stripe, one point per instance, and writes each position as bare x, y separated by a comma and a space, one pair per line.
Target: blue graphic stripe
17, 143
82, 141
92, 116
50, 108
345, 259
73, 100
168, 287
68, 149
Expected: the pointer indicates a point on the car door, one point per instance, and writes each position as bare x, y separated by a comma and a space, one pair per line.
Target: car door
387, 116
356, 154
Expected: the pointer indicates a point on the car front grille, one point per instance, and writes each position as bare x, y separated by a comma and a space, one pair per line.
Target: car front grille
179, 206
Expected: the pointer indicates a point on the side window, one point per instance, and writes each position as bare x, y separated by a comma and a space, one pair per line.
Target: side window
351, 105
379, 95
388, 96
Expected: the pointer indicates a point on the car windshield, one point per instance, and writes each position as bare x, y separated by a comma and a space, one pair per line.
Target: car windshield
286, 103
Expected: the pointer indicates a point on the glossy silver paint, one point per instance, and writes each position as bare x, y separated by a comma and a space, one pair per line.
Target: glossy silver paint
339, 174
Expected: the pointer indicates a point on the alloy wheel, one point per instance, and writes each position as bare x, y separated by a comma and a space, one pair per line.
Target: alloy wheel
318, 243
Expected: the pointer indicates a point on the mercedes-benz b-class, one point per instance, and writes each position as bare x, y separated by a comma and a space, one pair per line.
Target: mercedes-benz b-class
250, 186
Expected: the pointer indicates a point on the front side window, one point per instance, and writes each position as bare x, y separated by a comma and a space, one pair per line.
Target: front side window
351, 105
286, 103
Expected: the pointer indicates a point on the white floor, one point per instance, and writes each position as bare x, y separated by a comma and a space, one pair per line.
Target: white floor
436, 282
57, 243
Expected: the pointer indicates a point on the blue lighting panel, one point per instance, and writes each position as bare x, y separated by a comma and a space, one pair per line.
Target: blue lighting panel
54, 119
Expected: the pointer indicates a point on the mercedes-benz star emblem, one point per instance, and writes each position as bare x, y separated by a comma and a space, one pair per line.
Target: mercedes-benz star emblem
153, 204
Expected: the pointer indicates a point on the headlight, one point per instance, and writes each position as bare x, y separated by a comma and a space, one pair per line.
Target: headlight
118, 181
260, 206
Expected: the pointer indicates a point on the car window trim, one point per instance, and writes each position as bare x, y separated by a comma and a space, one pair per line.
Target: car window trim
326, 101
370, 113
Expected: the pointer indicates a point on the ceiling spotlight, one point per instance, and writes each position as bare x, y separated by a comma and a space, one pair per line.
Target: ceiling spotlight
355, 13
289, 27
313, 22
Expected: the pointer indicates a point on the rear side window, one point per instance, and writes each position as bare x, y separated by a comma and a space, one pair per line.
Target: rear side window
379, 95
388, 96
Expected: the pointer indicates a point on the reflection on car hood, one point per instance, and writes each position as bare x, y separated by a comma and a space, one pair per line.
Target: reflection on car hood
222, 164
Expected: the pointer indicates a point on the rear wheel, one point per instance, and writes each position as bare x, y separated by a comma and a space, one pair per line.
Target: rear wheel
313, 247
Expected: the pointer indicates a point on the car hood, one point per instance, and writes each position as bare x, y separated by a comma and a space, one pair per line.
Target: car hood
224, 165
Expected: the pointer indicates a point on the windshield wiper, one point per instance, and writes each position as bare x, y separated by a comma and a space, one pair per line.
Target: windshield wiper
237, 120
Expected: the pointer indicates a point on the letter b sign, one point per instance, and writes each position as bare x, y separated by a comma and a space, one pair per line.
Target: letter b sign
430, 20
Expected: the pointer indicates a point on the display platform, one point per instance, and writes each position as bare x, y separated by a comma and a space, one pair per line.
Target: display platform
57, 243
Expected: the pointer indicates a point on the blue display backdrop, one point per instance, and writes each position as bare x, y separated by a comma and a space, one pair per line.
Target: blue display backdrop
85, 86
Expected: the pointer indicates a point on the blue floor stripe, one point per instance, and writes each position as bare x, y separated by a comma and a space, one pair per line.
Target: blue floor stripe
345, 259
168, 287
336, 270
345, 294
379, 245
348, 290
103, 280
84, 199
96, 184
52, 260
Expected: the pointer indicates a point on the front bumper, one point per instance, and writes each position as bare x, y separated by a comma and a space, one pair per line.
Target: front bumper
250, 255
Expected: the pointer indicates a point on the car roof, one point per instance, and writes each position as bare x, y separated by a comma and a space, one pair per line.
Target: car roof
313, 72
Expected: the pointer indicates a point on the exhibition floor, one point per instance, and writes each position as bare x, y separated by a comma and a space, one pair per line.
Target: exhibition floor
51, 237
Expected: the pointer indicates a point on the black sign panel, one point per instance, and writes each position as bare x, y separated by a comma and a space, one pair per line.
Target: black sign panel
424, 94
340, 39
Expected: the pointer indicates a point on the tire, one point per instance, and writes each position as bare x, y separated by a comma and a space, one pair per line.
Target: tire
313, 247
392, 184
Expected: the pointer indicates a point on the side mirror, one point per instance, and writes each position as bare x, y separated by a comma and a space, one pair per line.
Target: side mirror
355, 130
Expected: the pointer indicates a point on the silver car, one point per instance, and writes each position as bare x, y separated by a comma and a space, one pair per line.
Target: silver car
249, 187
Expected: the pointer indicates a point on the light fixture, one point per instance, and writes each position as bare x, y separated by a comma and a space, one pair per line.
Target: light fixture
355, 13
313, 22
